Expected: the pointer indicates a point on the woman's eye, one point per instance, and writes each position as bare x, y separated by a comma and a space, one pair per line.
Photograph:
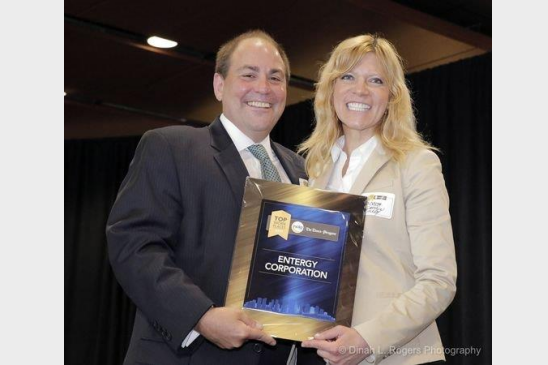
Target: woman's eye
377, 80
347, 77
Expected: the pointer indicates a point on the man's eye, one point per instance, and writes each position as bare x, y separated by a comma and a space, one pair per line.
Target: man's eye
276, 79
248, 76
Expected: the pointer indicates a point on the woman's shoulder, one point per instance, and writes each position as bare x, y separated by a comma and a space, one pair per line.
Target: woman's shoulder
420, 154
420, 159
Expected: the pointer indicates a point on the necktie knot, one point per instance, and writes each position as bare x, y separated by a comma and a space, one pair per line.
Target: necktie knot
268, 169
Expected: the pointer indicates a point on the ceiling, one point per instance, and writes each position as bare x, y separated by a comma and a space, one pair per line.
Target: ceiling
116, 85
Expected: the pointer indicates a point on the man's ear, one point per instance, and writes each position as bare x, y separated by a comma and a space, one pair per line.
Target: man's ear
218, 85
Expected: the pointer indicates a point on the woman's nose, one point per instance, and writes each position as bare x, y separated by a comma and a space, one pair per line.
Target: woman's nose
361, 88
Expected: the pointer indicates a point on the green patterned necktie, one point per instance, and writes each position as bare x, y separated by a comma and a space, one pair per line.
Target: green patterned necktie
268, 169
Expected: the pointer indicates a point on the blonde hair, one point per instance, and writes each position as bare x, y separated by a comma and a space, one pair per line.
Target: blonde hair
397, 131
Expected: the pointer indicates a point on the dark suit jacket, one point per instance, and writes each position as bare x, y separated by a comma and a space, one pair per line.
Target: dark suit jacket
171, 234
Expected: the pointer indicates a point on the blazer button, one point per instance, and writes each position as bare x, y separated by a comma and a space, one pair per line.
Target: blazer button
257, 348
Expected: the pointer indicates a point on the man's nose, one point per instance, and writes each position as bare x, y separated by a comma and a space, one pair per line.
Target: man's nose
262, 85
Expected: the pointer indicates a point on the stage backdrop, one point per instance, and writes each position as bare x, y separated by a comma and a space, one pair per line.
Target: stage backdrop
453, 105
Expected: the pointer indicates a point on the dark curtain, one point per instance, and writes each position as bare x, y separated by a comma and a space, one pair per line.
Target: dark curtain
98, 315
453, 107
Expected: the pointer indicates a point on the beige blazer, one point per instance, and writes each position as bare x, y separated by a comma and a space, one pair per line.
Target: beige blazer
407, 271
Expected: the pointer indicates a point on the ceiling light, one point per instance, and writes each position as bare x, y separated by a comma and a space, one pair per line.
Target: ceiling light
161, 42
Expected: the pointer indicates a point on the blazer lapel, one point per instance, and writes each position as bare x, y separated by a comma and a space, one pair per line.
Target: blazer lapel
286, 161
229, 160
377, 160
323, 179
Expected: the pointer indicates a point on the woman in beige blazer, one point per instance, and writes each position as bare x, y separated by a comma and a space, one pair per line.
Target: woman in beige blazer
365, 142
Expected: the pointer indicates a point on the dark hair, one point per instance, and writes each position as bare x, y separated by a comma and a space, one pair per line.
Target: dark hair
222, 62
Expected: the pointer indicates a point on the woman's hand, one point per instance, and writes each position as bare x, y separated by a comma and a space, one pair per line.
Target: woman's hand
340, 345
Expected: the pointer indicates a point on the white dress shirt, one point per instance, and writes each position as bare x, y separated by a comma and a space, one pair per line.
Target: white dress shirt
358, 158
253, 165
342, 184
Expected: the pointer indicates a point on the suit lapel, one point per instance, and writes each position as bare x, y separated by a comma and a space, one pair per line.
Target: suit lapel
323, 179
377, 160
285, 160
229, 160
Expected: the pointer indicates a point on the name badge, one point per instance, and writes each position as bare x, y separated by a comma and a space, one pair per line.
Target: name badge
380, 204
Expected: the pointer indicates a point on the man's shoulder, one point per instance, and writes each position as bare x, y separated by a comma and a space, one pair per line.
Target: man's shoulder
178, 131
175, 136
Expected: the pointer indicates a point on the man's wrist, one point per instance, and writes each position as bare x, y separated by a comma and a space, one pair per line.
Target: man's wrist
197, 328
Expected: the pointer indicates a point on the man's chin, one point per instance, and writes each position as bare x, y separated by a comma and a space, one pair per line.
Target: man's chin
263, 120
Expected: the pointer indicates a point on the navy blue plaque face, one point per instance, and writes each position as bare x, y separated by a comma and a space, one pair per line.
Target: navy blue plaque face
299, 275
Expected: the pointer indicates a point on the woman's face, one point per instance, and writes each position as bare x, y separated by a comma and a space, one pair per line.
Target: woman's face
360, 98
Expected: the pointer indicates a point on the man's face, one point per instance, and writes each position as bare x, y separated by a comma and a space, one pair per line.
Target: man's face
254, 90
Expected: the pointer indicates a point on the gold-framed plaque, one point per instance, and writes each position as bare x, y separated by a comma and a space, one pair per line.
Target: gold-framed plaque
295, 262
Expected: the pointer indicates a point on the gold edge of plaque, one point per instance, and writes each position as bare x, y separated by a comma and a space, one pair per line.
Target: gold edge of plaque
239, 273
296, 328
243, 250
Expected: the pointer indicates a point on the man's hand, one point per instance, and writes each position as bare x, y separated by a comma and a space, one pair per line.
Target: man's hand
229, 328
340, 345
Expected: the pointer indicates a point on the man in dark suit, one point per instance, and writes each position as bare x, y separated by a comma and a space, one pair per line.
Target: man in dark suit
172, 229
